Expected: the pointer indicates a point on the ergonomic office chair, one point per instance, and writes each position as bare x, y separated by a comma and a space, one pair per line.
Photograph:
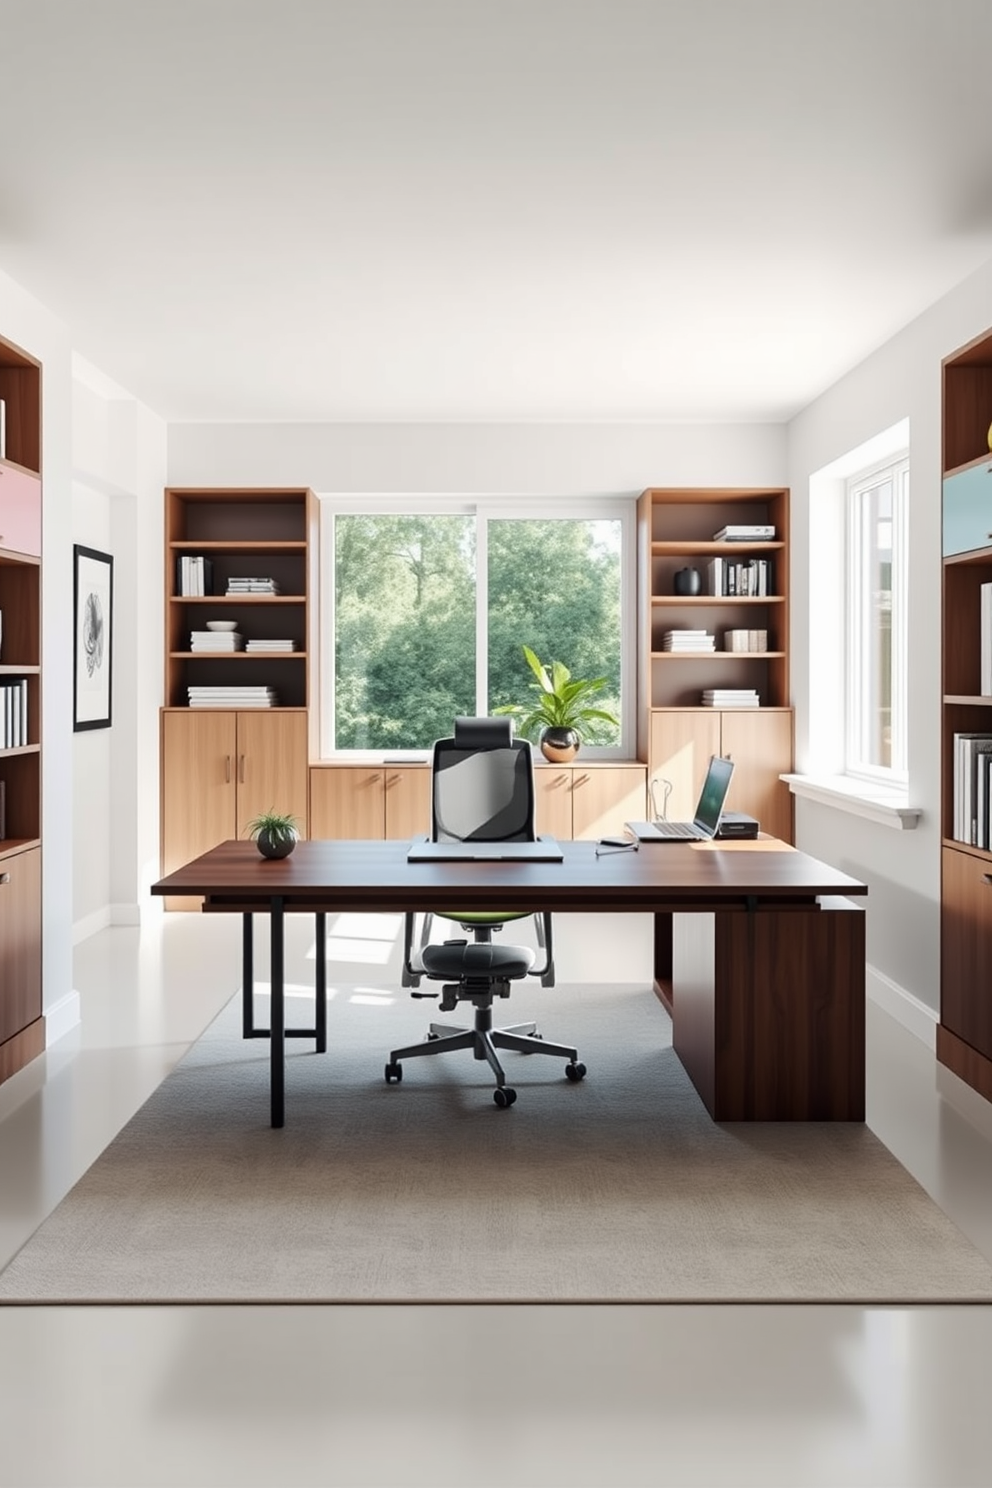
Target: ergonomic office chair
482, 790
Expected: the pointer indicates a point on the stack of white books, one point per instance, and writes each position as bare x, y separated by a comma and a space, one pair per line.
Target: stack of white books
731, 697
216, 640
248, 585
270, 646
745, 532
972, 794
231, 697
688, 640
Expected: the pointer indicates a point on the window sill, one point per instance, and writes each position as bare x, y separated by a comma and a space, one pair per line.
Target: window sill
875, 803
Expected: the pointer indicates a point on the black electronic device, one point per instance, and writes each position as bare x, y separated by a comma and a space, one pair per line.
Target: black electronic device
737, 824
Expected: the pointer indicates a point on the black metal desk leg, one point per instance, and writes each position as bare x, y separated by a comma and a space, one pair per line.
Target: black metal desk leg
320, 981
277, 1020
247, 977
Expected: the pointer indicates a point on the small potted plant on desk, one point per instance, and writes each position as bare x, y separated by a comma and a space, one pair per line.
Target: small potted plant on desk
274, 834
560, 710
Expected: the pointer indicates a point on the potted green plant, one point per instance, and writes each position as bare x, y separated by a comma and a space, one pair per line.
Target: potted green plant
274, 834
560, 710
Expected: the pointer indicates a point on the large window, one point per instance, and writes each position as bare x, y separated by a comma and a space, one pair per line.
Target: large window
431, 610
877, 514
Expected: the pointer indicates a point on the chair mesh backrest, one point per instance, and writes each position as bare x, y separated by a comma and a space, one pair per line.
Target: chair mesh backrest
483, 784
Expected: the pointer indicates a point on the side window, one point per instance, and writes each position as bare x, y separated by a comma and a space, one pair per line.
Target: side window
876, 641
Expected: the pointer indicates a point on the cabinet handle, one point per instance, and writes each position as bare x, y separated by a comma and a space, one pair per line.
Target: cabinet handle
4, 878
987, 878
241, 769
227, 768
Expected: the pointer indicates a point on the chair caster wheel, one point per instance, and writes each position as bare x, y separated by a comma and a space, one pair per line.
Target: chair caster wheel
504, 1096
574, 1072
394, 1072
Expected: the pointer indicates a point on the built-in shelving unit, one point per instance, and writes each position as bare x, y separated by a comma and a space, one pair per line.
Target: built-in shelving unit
964, 1035
22, 1026
224, 763
676, 732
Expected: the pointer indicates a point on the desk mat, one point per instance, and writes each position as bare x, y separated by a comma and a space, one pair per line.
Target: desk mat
620, 1188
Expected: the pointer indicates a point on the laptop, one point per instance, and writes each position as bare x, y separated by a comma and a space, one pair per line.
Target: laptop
544, 850
709, 809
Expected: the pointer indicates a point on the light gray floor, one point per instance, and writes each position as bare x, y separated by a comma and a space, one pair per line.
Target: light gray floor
462, 1396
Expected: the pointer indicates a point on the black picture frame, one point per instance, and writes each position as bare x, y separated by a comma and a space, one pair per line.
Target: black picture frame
93, 636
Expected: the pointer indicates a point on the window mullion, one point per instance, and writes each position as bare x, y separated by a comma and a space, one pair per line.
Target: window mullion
481, 614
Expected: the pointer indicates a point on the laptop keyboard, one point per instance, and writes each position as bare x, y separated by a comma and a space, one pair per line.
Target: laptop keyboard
676, 829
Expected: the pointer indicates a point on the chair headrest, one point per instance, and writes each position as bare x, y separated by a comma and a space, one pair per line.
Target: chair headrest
483, 733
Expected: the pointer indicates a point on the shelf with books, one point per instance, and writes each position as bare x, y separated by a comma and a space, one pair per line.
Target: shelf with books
678, 724
22, 1023
964, 1034
241, 555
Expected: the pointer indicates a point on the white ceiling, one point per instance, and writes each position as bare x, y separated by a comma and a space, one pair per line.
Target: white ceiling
491, 209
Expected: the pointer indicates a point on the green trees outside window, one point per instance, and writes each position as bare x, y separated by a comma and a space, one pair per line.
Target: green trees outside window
407, 620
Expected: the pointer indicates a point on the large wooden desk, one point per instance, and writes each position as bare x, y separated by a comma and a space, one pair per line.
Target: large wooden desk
759, 952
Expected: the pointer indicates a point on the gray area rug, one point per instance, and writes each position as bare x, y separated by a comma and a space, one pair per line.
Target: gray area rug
620, 1188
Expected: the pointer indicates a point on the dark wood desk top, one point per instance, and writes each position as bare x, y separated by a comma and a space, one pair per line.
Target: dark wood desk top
360, 875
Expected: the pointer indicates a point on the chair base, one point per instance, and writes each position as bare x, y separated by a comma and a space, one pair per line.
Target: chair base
484, 1040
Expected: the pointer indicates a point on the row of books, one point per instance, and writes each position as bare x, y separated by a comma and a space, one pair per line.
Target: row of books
224, 642
231, 697
745, 640
745, 578
731, 697
702, 640
194, 575
745, 532
972, 792
14, 714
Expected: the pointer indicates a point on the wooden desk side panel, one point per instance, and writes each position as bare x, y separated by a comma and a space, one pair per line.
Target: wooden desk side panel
778, 1031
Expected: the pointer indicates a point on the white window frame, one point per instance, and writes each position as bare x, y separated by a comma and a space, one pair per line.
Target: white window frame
484, 508
858, 687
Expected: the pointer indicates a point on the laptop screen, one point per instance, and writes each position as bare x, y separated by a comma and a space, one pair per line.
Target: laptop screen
713, 794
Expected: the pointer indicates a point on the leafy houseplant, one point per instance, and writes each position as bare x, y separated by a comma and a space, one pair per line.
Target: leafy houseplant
561, 708
274, 834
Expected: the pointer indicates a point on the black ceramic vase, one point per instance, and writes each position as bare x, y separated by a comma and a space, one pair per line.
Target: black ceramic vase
275, 844
688, 581
559, 745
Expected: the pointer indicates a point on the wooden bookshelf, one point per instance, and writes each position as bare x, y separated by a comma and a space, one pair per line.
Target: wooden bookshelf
22, 1025
676, 733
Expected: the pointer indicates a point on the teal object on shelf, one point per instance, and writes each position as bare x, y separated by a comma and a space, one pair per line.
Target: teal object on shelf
968, 509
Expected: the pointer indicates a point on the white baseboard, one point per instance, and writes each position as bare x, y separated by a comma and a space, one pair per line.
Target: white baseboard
91, 924
903, 1006
61, 1017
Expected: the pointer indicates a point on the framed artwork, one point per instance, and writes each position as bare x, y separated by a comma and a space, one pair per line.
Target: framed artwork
93, 607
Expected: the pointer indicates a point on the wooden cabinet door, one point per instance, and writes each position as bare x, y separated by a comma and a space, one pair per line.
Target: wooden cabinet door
346, 801
199, 767
605, 797
408, 801
760, 744
966, 949
272, 766
20, 941
680, 750
553, 801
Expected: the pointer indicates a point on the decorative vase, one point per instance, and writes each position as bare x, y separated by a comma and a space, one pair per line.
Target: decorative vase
559, 745
275, 844
688, 581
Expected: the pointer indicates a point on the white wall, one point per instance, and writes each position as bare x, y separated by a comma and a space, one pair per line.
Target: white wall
476, 458
118, 451
902, 869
